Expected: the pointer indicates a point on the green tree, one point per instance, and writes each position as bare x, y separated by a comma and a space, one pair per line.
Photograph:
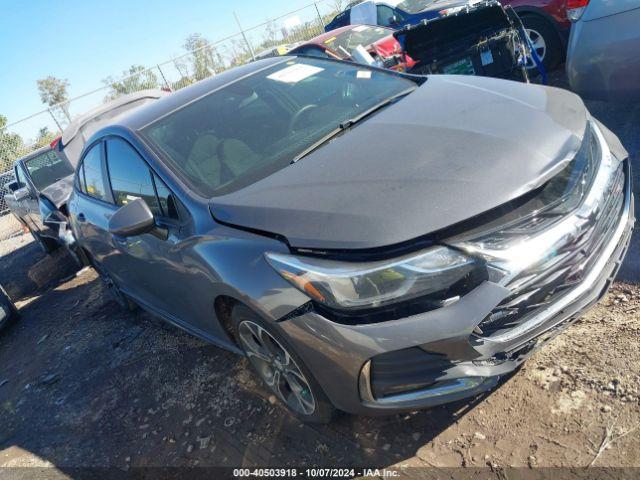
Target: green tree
270, 37
182, 68
133, 80
205, 59
53, 93
11, 146
240, 52
44, 137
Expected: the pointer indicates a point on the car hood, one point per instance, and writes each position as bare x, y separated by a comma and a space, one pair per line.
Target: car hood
60, 191
454, 148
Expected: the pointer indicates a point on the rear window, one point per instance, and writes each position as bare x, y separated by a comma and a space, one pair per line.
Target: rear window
257, 125
47, 168
73, 149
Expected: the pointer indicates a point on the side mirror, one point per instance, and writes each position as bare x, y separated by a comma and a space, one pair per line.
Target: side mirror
132, 219
21, 194
13, 186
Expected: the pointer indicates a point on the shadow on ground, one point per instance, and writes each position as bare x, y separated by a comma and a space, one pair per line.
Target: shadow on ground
105, 387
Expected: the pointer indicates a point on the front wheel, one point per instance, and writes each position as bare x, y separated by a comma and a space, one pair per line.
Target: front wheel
280, 368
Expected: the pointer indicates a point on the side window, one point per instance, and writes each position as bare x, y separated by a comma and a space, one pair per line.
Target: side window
93, 179
166, 198
80, 179
46, 169
130, 176
386, 15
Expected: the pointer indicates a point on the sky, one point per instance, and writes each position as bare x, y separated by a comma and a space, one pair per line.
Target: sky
87, 41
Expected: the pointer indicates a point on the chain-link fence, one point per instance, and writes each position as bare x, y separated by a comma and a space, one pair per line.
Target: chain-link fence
272, 37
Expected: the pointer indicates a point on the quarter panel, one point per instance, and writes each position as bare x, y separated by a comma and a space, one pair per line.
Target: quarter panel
602, 62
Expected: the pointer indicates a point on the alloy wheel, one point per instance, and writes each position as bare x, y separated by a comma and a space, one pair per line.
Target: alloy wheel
277, 368
539, 45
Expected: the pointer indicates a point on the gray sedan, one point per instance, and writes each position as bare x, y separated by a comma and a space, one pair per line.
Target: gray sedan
603, 59
373, 242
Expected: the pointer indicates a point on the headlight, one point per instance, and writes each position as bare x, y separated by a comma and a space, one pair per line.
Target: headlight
343, 285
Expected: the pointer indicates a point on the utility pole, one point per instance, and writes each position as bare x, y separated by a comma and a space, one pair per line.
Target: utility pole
319, 16
246, 40
164, 79
55, 120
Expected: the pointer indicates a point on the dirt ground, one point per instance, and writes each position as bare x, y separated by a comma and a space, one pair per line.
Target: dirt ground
84, 383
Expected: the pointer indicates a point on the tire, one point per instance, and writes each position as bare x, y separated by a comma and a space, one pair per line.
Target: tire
538, 27
280, 367
47, 245
9, 308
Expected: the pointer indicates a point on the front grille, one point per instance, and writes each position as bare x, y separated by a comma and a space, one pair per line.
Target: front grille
552, 277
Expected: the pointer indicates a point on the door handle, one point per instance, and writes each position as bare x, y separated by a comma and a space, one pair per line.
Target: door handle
81, 218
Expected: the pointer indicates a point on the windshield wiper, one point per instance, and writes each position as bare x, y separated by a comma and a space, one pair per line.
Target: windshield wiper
344, 125
352, 121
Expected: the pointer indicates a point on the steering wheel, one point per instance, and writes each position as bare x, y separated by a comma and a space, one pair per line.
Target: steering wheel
298, 115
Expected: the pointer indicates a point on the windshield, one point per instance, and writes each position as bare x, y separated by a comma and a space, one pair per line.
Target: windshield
361, 35
259, 124
47, 168
414, 6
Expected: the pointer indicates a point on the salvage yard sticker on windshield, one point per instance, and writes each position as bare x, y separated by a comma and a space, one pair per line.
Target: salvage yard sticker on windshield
294, 73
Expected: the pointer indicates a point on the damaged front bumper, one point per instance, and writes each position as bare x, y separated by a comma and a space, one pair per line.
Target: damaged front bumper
444, 355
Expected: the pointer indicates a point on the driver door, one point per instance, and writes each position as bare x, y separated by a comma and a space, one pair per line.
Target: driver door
29, 205
146, 267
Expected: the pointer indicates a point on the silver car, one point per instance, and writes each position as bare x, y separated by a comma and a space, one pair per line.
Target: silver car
373, 242
603, 62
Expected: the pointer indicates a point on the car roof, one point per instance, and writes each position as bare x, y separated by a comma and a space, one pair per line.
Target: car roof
76, 124
141, 117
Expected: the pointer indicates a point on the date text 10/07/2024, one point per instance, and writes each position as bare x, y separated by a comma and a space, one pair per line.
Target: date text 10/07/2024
314, 473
